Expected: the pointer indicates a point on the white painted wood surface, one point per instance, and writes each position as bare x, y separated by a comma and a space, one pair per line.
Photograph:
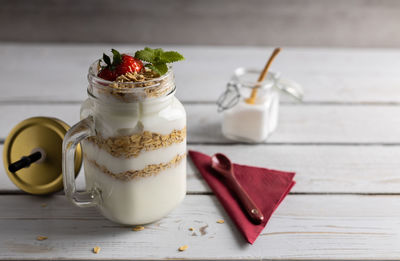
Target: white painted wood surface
319, 169
297, 123
343, 140
303, 227
327, 75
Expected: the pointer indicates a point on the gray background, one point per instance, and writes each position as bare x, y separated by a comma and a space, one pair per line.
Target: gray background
340, 23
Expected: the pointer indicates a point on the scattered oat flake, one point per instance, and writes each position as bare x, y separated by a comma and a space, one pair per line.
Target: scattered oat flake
41, 238
220, 221
96, 250
138, 228
43, 205
183, 248
191, 229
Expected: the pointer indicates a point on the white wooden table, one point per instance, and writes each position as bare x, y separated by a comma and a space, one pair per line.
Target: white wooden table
343, 142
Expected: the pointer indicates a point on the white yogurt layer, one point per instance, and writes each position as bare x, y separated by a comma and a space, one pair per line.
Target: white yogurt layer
140, 200
119, 120
117, 165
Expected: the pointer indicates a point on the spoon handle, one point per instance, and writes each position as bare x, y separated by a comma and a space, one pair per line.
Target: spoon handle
248, 205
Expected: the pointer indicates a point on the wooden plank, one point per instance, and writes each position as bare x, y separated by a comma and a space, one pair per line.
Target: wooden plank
259, 22
336, 169
327, 75
320, 169
298, 124
304, 227
309, 124
12, 114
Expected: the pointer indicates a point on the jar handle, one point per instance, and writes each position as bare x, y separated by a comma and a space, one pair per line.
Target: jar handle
291, 87
73, 137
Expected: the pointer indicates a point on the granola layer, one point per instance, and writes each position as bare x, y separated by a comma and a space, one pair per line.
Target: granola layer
155, 88
131, 145
146, 84
149, 170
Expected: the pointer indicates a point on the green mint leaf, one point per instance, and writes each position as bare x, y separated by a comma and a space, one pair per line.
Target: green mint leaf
117, 57
158, 52
149, 49
152, 67
161, 68
145, 55
106, 59
171, 56
157, 55
158, 59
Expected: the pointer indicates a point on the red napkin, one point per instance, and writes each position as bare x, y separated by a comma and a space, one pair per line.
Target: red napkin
266, 187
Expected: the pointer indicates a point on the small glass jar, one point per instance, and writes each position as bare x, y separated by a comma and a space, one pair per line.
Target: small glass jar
133, 138
247, 122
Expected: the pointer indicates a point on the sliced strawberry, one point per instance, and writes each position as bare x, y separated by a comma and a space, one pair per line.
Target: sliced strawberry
120, 65
107, 74
129, 64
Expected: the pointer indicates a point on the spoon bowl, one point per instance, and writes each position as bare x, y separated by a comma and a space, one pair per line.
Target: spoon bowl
222, 164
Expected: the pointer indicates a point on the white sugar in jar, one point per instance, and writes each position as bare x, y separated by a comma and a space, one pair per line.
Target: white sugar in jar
253, 122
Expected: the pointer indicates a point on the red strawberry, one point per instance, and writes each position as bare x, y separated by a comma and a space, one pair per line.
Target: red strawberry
120, 65
107, 74
129, 64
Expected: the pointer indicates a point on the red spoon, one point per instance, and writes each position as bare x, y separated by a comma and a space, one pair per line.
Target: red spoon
223, 166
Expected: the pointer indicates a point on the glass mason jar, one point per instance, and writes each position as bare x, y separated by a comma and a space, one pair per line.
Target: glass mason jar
253, 122
133, 138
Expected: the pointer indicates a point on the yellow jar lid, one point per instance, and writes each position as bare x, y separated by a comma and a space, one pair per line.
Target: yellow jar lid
43, 134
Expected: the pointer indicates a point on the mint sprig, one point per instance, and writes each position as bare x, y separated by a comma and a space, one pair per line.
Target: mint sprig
157, 58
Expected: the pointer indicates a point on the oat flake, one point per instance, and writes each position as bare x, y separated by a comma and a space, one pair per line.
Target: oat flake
96, 250
183, 248
138, 228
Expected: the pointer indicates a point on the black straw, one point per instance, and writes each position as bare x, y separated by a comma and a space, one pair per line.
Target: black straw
25, 161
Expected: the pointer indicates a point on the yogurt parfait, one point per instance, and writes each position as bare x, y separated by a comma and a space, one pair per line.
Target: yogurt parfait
133, 135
